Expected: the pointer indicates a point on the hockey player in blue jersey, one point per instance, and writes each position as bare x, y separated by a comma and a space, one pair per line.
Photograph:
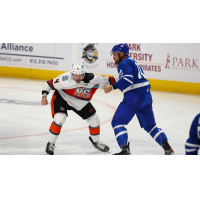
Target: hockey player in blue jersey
193, 142
137, 100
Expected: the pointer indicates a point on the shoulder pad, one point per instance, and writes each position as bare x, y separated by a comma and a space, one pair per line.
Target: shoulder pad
88, 77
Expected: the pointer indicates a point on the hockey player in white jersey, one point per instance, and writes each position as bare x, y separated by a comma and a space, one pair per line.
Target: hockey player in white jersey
73, 91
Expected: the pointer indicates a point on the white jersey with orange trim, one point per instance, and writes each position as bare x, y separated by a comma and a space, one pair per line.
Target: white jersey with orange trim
75, 94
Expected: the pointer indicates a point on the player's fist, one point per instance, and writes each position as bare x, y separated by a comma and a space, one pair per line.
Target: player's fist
107, 88
44, 101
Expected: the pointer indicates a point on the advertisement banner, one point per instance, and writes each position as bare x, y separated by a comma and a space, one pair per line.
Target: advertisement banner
49, 56
173, 62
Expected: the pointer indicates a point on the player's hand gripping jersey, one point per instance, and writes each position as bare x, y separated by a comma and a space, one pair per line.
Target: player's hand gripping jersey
75, 94
193, 142
131, 77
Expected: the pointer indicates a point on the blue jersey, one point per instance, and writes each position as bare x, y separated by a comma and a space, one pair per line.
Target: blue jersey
131, 77
137, 101
193, 142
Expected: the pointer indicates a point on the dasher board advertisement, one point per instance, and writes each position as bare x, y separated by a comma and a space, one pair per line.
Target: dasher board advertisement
173, 62
49, 56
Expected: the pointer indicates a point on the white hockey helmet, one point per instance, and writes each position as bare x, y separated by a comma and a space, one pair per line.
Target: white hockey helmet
78, 68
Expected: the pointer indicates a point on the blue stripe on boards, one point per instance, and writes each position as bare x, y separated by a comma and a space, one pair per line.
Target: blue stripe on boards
9, 54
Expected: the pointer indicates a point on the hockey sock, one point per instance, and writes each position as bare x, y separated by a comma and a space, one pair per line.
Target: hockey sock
54, 132
121, 133
157, 134
94, 133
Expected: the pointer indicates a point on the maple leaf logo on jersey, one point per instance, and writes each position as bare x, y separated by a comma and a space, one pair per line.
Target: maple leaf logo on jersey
90, 54
120, 73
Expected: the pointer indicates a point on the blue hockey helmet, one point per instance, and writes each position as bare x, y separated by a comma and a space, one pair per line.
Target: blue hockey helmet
120, 48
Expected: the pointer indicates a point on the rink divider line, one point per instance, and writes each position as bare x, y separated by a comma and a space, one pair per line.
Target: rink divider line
61, 131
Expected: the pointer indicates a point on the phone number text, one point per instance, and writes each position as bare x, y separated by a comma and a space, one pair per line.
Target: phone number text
43, 62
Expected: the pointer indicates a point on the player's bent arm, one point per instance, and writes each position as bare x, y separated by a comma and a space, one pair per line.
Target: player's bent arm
113, 81
125, 78
45, 91
56, 83
123, 83
101, 80
48, 86
105, 81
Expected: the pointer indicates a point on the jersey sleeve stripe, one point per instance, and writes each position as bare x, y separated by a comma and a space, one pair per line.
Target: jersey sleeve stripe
128, 80
111, 80
138, 85
129, 75
50, 83
44, 91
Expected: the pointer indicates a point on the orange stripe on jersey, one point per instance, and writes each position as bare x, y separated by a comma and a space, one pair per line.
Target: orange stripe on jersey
81, 93
55, 129
94, 131
52, 105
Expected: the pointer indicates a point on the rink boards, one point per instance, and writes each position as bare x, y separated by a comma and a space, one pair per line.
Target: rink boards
42, 74
168, 67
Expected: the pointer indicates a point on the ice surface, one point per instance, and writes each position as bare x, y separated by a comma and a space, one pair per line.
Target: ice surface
24, 122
